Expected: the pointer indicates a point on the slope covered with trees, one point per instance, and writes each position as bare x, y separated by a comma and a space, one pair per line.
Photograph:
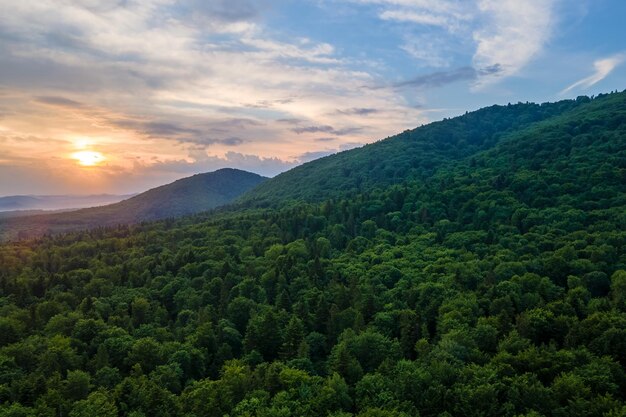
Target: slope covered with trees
493, 286
186, 196
412, 155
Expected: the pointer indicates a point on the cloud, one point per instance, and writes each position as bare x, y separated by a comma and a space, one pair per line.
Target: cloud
54, 177
441, 78
326, 129
149, 80
311, 156
418, 18
202, 133
204, 162
504, 33
359, 111
203, 142
155, 128
232, 141
603, 67
268, 104
313, 129
58, 101
290, 121
511, 34
229, 141
447, 14
350, 145
224, 10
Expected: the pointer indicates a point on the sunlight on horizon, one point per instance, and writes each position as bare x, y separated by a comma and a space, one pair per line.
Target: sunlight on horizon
166, 89
88, 158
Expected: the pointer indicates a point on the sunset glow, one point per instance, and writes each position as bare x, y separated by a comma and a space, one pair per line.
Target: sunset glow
88, 158
147, 91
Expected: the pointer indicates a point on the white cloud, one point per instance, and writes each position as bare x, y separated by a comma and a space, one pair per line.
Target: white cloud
418, 18
453, 8
603, 67
511, 34
447, 14
506, 34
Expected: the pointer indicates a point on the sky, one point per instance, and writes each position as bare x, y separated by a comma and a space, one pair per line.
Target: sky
118, 96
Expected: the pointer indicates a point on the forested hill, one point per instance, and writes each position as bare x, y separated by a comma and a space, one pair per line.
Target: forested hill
494, 286
413, 155
190, 195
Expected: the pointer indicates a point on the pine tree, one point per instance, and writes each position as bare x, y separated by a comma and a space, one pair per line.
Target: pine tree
292, 338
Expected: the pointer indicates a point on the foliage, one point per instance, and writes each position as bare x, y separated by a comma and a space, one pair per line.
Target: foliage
492, 285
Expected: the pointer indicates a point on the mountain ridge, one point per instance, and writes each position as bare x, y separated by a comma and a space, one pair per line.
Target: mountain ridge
413, 154
190, 195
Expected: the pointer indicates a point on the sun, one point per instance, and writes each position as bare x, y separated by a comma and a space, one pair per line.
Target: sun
88, 158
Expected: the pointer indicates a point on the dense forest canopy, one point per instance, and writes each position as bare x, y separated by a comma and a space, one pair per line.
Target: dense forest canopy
484, 275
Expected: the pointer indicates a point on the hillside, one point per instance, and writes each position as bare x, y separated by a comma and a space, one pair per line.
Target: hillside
186, 196
413, 155
490, 284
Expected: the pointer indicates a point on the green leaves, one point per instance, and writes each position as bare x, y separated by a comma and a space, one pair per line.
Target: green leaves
470, 268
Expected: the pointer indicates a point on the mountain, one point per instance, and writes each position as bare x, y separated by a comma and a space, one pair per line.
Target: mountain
24, 213
490, 283
186, 196
412, 155
57, 202
18, 202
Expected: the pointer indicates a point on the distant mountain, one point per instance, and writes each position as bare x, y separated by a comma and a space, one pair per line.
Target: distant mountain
57, 202
186, 196
24, 213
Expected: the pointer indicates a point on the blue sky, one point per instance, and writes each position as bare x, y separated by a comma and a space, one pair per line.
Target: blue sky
121, 95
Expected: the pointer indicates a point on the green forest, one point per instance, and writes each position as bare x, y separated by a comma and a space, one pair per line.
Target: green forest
471, 267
